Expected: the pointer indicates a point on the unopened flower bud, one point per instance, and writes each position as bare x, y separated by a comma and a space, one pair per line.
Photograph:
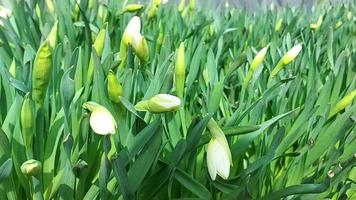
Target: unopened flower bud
180, 71
101, 120
347, 100
159, 104
114, 87
31, 167
133, 7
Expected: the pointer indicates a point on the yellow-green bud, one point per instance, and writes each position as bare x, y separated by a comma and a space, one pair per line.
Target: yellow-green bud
278, 25
287, 58
27, 120
291, 54
338, 24
91, 4
152, 12
12, 68
191, 5
180, 71
98, 46
181, 5
31, 167
317, 25
141, 49
52, 36
100, 41
42, 69
133, 7
159, 104
258, 59
50, 6
347, 100
349, 15
114, 87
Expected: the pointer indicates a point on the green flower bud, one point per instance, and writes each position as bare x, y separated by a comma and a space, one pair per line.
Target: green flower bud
286, 59
278, 25
141, 49
50, 6
98, 46
338, 24
317, 25
12, 68
181, 5
42, 69
31, 167
347, 100
159, 104
27, 120
52, 37
180, 71
114, 87
257, 60
133, 7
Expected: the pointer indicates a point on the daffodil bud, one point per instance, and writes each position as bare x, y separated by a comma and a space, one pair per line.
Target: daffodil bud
286, 59
133, 7
291, 54
152, 12
180, 71
91, 4
159, 104
50, 6
347, 100
31, 167
218, 152
338, 24
114, 87
317, 25
132, 30
52, 37
349, 15
98, 46
41, 74
278, 25
141, 49
12, 68
181, 5
160, 38
102, 12
27, 120
133, 37
258, 59
100, 41
101, 120
191, 5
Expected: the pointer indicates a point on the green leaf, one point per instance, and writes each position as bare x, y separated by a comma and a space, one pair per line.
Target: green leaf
5, 169
191, 184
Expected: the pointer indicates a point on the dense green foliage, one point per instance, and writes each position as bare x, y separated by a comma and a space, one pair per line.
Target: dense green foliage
288, 135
